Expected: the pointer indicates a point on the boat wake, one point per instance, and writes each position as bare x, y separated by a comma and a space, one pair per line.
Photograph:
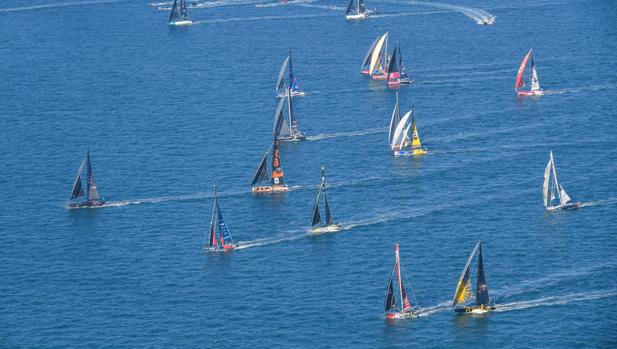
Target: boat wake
480, 16
279, 3
609, 201
289, 236
64, 4
555, 300
435, 309
346, 134
591, 88
263, 18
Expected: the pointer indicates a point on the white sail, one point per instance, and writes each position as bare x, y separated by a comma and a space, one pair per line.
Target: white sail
405, 139
564, 198
535, 84
399, 132
395, 116
547, 178
377, 53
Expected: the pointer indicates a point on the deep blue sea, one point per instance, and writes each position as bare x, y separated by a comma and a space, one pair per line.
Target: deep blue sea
169, 112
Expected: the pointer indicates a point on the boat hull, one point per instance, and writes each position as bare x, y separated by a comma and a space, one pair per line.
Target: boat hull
415, 152
87, 204
296, 138
224, 248
332, 228
530, 93
568, 206
358, 16
265, 189
379, 76
180, 23
293, 94
479, 309
402, 315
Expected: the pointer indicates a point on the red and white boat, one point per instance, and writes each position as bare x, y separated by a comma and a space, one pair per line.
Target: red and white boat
392, 310
532, 76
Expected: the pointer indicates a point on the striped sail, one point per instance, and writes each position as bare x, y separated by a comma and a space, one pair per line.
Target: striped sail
399, 132
463, 287
378, 54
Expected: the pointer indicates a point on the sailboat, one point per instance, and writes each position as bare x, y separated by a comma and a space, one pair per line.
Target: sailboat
93, 198
396, 73
286, 129
552, 190
392, 310
281, 91
462, 294
379, 59
403, 134
328, 225
356, 10
263, 181
519, 84
179, 15
219, 238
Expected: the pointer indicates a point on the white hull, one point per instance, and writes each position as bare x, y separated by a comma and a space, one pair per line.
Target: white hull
181, 23
332, 228
567, 206
357, 16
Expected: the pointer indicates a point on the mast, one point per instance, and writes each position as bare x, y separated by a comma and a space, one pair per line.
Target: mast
292, 78
547, 179
398, 273
390, 301
325, 197
555, 182
212, 240
316, 217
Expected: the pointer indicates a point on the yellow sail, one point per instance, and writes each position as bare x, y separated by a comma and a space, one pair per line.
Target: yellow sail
463, 291
415, 143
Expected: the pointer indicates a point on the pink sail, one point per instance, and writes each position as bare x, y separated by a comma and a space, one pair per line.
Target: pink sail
519, 77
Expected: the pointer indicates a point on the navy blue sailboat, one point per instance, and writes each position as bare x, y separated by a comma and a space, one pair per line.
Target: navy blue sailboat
93, 197
319, 226
179, 15
219, 237
463, 288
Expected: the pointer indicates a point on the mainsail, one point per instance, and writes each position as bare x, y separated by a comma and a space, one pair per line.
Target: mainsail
351, 8
217, 225
463, 288
551, 189
481, 287
277, 169
393, 68
390, 302
280, 82
285, 128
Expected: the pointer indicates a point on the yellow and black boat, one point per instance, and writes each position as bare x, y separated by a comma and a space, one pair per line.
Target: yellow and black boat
463, 291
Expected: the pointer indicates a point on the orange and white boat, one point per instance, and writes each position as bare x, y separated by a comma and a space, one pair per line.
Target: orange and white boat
263, 181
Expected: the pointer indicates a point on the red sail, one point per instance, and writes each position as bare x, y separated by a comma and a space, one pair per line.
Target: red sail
519, 77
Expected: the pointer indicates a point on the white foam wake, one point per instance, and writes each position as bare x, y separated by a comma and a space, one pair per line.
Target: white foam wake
435, 309
283, 237
263, 18
346, 134
555, 300
480, 16
64, 4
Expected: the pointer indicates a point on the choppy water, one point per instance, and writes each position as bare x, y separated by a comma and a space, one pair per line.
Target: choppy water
167, 112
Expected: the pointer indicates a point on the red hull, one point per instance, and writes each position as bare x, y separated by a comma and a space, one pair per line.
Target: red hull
529, 93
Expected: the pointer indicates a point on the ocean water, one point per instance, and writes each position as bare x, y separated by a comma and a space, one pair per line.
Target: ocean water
168, 112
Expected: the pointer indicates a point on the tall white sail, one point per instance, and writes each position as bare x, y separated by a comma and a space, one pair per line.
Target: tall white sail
377, 52
535, 84
547, 178
564, 198
399, 132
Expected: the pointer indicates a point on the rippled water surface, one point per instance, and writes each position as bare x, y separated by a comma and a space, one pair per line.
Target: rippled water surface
167, 112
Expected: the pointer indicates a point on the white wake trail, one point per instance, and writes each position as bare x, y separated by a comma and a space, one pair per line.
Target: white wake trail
346, 134
262, 18
480, 16
64, 4
555, 300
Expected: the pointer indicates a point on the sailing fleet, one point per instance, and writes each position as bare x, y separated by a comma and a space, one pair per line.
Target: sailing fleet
403, 140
